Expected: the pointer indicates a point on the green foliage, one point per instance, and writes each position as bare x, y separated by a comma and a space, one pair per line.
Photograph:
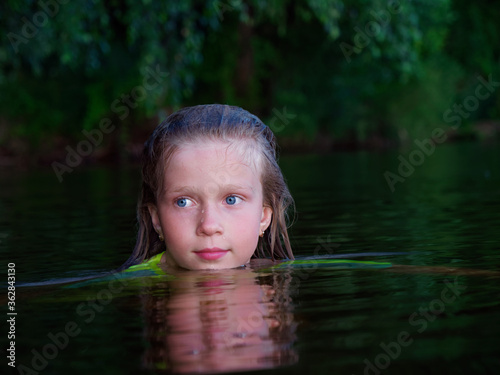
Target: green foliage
416, 109
353, 69
108, 46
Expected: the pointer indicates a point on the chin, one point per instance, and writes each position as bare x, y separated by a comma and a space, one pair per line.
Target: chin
196, 265
216, 266
213, 267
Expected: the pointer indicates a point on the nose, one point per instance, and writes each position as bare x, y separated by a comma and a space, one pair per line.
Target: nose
209, 223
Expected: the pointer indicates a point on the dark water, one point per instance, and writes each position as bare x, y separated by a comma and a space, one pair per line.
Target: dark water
437, 311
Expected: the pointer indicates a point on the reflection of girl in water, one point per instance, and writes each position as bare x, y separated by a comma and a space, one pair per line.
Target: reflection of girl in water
229, 320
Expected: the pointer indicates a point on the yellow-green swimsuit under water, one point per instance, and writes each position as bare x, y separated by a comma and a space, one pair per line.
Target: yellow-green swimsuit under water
153, 264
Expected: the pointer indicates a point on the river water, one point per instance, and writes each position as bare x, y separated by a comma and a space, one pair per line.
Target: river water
436, 310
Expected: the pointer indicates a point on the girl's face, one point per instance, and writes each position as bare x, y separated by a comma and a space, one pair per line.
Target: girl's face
211, 211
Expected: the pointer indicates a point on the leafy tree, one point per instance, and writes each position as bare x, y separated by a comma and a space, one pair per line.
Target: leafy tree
353, 69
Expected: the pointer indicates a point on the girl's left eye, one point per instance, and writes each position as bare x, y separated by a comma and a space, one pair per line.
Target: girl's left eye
232, 200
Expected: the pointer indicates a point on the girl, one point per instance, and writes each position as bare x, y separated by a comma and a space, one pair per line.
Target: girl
212, 195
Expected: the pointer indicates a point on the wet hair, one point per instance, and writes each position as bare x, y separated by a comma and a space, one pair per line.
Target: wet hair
205, 123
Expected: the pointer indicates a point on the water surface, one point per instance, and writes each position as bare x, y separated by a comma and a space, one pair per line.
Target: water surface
436, 311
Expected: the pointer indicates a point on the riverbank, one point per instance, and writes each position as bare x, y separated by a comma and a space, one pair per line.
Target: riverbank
106, 146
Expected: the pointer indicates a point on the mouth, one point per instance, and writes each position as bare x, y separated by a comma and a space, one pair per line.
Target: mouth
213, 253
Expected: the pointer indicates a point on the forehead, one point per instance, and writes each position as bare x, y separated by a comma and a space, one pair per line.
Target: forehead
213, 161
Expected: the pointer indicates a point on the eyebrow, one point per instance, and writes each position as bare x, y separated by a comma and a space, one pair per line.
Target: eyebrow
182, 189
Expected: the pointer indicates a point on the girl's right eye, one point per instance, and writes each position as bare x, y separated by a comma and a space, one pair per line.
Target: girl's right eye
183, 202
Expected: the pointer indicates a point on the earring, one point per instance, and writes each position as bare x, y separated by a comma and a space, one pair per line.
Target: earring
262, 233
160, 234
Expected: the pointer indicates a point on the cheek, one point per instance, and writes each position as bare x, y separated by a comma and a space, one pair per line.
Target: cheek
248, 223
173, 224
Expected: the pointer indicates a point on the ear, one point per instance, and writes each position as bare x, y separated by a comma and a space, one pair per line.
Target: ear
155, 219
267, 215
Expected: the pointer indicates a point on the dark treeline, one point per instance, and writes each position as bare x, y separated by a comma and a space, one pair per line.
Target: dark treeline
319, 72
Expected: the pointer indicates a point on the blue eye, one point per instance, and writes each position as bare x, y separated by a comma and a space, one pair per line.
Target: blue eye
183, 202
232, 200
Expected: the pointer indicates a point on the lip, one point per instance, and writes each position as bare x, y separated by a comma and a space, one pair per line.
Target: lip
213, 253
